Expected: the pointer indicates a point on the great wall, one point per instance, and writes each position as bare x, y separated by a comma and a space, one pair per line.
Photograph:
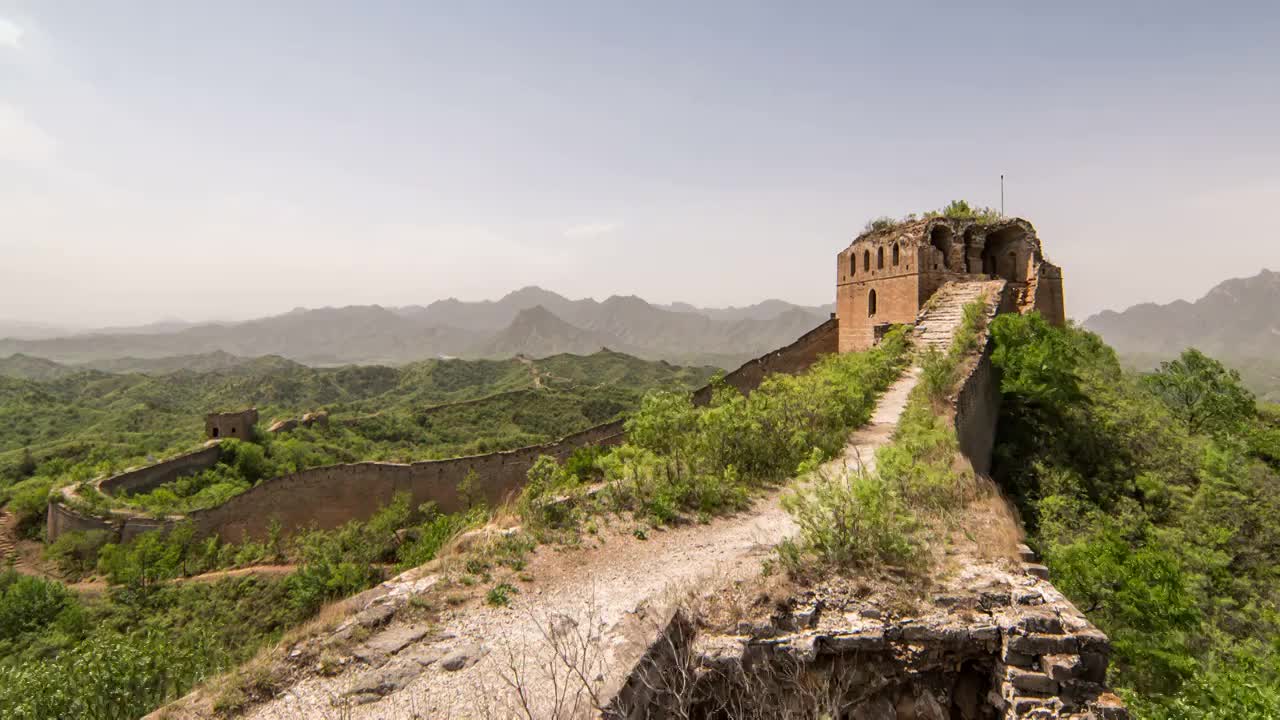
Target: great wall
328, 496
993, 639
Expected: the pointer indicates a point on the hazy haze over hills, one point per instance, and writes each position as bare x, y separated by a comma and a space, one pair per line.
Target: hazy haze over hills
530, 321
1238, 322
1237, 318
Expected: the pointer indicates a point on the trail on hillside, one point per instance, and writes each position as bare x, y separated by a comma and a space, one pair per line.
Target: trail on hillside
609, 588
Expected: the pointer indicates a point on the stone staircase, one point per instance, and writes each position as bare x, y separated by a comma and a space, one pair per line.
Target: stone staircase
8, 538
937, 323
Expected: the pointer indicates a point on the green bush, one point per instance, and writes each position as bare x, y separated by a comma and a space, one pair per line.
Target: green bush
850, 522
1156, 504
76, 553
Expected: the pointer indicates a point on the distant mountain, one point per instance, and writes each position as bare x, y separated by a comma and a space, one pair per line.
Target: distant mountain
764, 310
1239, 318
537, 332
27, 367
531, 321
326, 336
30, 331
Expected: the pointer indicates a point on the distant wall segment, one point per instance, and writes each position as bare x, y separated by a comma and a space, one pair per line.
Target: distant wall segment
329, 496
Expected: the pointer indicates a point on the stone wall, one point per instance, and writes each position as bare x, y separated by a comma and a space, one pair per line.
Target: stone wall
977, 409
60, 518
794, 358
326, 497
146, 479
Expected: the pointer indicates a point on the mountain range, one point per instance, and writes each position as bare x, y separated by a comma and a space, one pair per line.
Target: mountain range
1238, 318
530, 321
1238, 322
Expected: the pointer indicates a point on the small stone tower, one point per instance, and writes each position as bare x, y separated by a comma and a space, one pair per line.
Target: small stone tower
886, 276
237, 425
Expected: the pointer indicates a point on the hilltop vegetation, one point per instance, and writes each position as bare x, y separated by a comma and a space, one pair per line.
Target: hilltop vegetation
93, 423
1234, 322
1155, 501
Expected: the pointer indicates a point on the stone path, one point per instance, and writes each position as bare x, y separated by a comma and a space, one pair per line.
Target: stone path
937, 323
610, 592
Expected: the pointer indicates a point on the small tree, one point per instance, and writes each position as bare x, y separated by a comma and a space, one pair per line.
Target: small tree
1202, 392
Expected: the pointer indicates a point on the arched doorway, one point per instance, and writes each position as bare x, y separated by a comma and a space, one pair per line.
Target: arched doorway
871, 303
940, 238
1005, 254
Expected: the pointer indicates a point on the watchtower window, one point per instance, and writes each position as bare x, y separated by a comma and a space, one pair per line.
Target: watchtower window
853, 264
895, 254
871, 304
866, 259
879, 258
233, 429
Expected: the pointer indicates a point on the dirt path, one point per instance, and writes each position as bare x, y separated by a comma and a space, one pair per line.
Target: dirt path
610, 589
533, 371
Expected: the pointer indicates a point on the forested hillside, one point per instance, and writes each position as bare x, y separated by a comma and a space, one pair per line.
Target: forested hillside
1155, 501
90, 423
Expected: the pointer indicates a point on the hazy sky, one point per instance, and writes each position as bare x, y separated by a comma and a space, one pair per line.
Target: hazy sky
238, 158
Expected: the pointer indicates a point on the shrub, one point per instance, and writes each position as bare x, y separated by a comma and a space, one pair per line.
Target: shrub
500, 595
850, 522
28, 604
76, 553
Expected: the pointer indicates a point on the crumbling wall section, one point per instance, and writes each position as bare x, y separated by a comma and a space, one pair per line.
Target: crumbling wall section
1013, 647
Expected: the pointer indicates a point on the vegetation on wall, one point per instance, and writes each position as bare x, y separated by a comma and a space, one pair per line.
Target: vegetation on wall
1155, 501
886, 517
955, 210
681, 460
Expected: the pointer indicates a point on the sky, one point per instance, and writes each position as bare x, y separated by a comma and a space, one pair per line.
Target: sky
233, 159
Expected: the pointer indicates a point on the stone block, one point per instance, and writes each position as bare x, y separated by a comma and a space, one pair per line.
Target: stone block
864, 640
1036, 570
1061, 667
1040, 620
1030, 680
1041, 644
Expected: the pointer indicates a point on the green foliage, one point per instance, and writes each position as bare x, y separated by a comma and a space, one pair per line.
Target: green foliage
938, 369
29, 499
1202, 393
884, 222
126, 653
88, 424
1155, 501
427, 538
29, 604
76, 553
858, 521
500, 595
962, 210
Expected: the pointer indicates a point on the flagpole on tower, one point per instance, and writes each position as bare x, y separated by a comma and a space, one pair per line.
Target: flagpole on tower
1001, 194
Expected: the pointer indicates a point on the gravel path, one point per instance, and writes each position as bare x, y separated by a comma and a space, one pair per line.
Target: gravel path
614, 591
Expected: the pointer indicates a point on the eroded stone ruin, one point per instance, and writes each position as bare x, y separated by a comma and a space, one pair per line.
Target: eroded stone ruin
887, 276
